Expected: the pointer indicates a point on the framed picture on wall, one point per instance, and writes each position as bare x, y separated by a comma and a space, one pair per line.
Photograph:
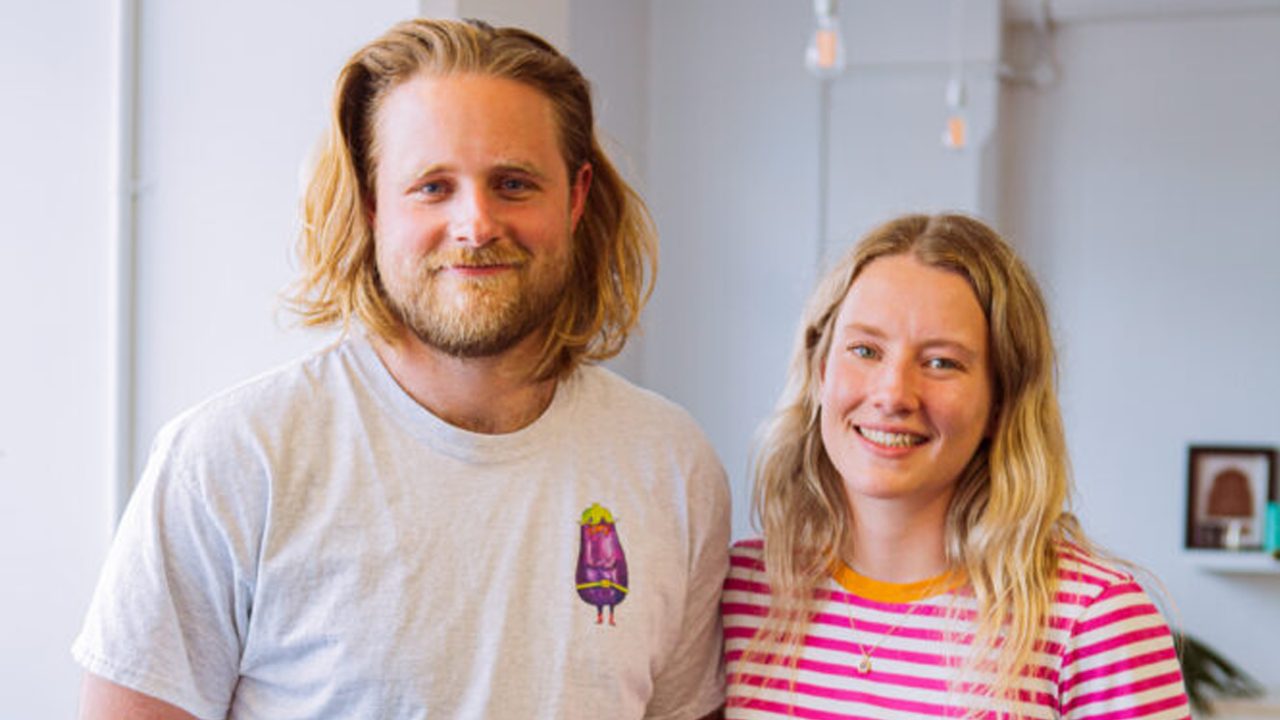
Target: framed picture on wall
1227, 493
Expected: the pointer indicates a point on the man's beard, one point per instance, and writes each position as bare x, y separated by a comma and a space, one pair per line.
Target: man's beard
483, 316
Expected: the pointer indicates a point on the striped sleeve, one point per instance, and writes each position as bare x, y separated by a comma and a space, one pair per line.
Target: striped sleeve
1119, 660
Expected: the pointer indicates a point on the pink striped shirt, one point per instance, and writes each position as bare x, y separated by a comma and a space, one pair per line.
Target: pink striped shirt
1107, 652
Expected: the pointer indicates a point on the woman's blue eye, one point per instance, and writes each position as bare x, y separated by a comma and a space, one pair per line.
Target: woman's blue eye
431, 188
940, 363
862, 351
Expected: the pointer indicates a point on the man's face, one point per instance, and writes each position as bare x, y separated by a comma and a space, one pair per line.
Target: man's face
474, 210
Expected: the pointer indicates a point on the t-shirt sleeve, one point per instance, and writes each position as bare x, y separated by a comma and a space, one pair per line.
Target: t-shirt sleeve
1119, 660
691, 684
169, 613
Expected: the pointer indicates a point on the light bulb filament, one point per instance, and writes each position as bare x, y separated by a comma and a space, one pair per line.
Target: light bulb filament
827, 43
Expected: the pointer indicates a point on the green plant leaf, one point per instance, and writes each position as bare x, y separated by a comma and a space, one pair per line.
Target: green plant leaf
1209, 676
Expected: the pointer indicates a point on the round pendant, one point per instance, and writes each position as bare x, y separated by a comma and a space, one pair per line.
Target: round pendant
864, 665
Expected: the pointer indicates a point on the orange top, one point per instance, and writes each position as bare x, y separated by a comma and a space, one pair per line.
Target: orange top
887, 592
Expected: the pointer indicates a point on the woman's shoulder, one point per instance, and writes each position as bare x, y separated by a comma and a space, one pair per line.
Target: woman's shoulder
746, 557
748, 549
747, 581
1084, 564
1087, 576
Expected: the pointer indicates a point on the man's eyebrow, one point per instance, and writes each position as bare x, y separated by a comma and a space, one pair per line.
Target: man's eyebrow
520, 167
504, 166
432, 170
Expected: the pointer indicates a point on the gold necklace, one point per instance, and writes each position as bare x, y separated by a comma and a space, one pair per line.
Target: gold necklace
864, 663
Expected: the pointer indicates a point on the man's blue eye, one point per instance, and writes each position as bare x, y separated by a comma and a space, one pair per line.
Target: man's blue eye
514, 185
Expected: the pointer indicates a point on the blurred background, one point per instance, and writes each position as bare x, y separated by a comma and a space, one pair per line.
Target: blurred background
1129, 148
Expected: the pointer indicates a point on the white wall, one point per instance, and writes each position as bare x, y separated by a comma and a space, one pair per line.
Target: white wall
229, 111
1140, 187
548, 18
731, 183
889, 110
734, 182
1144, 188
609, 41
232, 97
55, 198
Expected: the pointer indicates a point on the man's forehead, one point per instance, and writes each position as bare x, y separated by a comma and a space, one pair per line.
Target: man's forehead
480, 102
456, 91
469, 123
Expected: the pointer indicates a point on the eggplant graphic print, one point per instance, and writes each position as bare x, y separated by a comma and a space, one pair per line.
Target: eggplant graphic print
602, 566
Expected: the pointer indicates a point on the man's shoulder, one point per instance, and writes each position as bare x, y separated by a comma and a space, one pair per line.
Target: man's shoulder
275, 398
618, 416
609, 392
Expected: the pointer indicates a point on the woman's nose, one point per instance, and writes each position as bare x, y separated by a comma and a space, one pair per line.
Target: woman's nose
894, 388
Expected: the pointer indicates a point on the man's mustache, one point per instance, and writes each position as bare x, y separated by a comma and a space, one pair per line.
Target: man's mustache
489, 255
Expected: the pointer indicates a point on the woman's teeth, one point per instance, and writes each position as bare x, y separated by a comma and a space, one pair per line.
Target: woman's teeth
890, 439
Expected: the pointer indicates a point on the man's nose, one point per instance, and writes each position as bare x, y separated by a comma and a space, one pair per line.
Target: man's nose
473, 221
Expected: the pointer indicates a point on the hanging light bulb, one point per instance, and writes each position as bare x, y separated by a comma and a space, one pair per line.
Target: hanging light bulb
825, 55
955, 136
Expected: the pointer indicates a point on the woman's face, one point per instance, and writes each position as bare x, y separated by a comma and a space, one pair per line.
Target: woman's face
906, 386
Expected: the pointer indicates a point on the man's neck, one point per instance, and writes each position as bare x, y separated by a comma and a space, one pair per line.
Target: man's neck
491, 395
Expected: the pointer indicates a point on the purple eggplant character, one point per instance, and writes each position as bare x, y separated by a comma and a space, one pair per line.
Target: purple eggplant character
602, 566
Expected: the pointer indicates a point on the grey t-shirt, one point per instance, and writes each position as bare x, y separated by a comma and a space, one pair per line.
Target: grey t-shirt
315, 544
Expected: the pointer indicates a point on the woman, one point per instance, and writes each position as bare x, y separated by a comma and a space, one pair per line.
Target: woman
918, 559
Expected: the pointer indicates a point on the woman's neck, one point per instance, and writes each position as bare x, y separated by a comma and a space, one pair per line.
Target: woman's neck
898, 545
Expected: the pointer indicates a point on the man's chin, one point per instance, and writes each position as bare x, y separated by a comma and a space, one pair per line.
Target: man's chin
477, 321
474, 340
471, 348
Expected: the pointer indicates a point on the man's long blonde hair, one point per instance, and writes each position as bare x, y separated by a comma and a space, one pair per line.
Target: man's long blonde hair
1010, 508
614, 247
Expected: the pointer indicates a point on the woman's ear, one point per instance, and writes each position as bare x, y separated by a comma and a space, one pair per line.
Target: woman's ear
813, 341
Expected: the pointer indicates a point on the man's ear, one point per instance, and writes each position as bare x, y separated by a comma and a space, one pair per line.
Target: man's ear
579, 187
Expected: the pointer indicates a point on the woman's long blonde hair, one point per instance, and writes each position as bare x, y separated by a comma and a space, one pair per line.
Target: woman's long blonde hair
614, 245
1010, 508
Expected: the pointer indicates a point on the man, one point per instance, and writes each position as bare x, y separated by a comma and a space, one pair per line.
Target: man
451, 512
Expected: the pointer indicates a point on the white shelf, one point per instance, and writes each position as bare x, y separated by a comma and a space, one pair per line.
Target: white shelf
1263, 708
1234, 562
